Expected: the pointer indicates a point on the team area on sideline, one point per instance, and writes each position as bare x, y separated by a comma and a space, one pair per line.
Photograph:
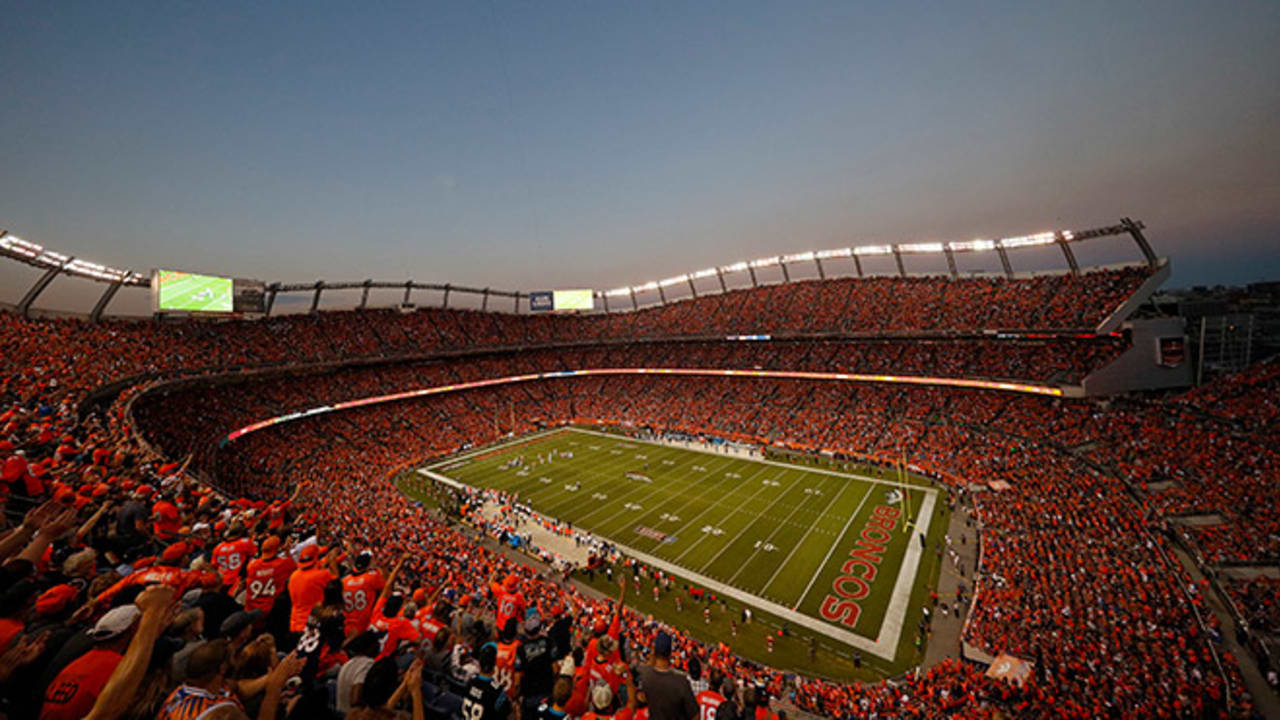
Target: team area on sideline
832, 551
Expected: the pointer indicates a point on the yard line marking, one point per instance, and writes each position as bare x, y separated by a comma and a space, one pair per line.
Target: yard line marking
706, 486
591, 471
747, 529
823, 564
756, 551
691, 521
804, 537
759, 490
652, 491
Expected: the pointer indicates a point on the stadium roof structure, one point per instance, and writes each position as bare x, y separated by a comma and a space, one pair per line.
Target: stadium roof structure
55, 263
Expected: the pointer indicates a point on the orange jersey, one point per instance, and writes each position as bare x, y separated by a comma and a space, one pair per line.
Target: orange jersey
275, 515
229, 557
167, 520
180, 580
359, 593
306, 590
708, 702
510, 605
71, 695
504, 670
265, 580
398, 629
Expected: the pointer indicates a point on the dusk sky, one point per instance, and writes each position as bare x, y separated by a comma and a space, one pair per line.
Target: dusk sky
546, 144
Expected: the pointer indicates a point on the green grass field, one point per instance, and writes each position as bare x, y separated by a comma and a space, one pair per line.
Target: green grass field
194, 293
766, 534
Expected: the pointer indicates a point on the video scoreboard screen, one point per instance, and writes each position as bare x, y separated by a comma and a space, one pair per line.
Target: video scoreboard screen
178, 291
561, 300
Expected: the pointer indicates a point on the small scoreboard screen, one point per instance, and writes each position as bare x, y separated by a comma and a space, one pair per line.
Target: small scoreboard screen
561, 300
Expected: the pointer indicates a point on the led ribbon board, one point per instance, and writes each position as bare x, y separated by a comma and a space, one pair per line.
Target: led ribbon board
695, 372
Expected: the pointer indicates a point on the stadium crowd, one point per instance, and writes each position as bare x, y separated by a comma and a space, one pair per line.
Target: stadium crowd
301, 583
45, 348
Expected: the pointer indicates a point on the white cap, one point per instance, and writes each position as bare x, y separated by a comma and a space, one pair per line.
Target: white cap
115, 623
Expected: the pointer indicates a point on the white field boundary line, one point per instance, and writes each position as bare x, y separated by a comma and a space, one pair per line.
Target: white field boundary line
896, 613
886, 644
822, 471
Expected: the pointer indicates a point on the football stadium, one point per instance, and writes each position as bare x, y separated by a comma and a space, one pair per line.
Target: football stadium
1018, 470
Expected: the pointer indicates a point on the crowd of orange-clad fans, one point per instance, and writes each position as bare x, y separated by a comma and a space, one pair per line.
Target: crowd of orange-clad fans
303, 584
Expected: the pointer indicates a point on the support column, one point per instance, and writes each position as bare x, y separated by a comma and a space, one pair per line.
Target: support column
315, 299
1066, 252
786, 276
604, 296
447, 288
272, 289
364, 294
897, 256
408, 288
1135, 230
484, 300
692, 289
951, 261
24, 306
662, 295
634, 305
1004, 261
101, 306
723, 288
857, 263
753, 276
822, 275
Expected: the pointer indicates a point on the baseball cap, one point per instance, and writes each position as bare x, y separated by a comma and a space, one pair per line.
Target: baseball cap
662, 644
115, 623
532, 621
240, 620
601, 696
309, 554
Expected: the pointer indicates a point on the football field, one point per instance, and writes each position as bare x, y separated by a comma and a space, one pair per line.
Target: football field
835, 552
195, 293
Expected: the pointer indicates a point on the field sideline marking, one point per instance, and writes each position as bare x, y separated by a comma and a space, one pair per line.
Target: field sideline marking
867, 478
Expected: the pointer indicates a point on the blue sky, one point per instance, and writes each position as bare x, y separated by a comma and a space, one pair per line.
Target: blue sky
542, 144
